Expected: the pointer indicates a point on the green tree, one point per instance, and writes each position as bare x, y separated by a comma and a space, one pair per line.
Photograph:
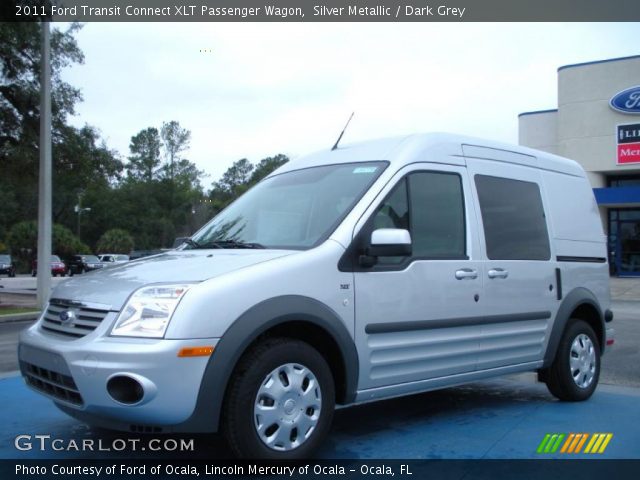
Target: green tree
175, 140
20, 110
145, 154
23, 242
266, 166
239, 177
115, 240
81, 160
235, 179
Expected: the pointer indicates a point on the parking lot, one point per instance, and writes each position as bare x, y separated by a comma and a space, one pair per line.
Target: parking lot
501, 418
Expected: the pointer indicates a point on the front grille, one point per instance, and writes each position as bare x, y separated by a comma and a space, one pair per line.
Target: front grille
52, 383
85, 320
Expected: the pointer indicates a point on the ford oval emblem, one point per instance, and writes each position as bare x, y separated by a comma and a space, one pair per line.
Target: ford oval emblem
627, 101
67, 316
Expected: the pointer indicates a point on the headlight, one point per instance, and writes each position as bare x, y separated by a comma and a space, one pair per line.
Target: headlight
148, 311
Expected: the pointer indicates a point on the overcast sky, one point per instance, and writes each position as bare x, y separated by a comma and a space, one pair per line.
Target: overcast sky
263, 89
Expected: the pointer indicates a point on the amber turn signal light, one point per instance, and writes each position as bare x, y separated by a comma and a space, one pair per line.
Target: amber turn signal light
195, 351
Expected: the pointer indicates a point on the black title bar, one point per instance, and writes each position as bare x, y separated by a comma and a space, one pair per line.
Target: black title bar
321, 10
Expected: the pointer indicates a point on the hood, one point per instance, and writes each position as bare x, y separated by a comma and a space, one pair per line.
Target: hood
112, 286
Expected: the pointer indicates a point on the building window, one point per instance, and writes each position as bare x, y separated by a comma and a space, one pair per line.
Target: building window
623, 181
624, 241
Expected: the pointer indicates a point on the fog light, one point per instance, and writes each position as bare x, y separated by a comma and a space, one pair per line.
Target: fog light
125, 389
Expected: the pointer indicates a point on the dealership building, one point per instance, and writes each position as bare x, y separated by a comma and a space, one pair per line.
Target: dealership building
597, 123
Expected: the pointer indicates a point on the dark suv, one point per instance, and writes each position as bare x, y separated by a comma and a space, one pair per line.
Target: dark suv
83, 263
7, 266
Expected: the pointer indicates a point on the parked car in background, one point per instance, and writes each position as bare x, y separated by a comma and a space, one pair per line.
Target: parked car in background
7, 267
113, 258
84, 263
58, 267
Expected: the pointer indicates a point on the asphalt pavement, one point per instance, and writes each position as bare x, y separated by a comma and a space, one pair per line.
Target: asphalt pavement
498, 419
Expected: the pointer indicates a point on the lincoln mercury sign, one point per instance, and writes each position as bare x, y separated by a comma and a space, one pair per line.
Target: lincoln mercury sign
628, 137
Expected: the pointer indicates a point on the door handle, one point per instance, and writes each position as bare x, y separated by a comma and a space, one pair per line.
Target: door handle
497, 273
466, 273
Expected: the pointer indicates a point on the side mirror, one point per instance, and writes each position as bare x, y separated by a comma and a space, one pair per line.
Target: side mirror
390, 242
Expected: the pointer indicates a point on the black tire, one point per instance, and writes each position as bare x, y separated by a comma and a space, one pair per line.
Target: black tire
238, 422
559, 377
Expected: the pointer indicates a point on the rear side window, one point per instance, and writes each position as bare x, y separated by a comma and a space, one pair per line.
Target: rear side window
513, 217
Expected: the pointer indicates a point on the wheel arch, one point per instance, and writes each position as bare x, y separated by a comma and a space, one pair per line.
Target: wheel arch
290, 316
579, 303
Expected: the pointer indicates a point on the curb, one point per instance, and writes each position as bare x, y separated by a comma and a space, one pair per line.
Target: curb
19, 317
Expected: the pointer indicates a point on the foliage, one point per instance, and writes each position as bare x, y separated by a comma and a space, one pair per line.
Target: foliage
115, 240
241, 176
23, 242
154, 195
266, 166
175, 141
145, 155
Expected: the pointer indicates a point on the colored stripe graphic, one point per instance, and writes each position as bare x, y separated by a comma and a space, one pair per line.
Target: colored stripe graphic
598, 443
568, 442
543, 443
550, 443
573, 443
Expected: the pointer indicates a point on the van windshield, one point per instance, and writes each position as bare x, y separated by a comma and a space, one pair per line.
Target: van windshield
294, 210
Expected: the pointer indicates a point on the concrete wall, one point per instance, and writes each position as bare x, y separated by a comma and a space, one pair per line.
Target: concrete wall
539, 130
586, 124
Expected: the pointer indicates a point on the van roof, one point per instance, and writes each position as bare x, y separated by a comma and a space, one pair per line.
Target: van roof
407, 149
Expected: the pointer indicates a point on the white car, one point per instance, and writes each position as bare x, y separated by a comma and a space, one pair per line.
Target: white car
113, 258
355, 274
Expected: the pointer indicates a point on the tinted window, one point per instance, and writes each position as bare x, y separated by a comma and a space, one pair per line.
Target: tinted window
437, 215
393, 213
513, 219
55, 258
435, 218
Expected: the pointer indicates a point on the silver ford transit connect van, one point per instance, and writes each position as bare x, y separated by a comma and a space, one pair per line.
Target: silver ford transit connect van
374, 270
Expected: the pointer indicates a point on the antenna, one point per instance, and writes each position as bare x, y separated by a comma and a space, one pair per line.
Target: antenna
342, 133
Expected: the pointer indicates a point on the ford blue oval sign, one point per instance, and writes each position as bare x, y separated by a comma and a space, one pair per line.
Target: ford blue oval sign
627, 101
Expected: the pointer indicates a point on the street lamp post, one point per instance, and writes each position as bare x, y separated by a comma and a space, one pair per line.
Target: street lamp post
44, 188
79, 209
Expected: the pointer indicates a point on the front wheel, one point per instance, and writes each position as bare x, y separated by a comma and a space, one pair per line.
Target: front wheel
574, 373
280, 401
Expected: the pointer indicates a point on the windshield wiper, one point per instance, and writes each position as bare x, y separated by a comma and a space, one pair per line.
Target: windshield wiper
221, 244
234, 244
191, 242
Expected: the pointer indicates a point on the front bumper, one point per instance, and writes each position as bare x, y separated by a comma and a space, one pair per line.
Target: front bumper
74, 374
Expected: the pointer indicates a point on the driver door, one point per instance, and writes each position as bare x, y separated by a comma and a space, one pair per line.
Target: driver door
414, 314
